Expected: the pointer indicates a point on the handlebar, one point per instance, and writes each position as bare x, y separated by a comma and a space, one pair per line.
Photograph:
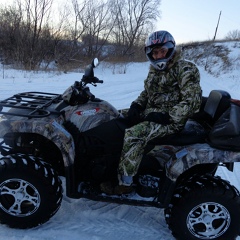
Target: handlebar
91, 80
80, 89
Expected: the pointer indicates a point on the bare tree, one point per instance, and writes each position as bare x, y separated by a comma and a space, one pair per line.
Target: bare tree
68, 48
34, 32
135, 17
10, 21
28, 32
78, 26
89, 27
98, 21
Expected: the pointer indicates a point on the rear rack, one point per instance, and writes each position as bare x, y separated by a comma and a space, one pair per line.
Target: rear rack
36, 102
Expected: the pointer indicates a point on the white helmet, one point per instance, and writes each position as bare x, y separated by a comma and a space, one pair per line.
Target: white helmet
159, 39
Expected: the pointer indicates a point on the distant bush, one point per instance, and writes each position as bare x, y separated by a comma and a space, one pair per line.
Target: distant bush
233, 35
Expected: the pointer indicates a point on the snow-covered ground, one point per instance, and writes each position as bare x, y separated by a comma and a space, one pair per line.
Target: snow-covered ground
83, 219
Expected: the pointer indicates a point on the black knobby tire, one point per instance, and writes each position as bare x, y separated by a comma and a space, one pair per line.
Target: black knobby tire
30, 191
205, 207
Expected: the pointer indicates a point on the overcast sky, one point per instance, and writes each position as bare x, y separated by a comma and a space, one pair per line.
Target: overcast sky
193, 20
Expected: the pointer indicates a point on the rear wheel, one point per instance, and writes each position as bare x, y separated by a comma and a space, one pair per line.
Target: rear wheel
206, 207
30, 191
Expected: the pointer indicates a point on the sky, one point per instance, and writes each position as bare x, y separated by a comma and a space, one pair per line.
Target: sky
194, 20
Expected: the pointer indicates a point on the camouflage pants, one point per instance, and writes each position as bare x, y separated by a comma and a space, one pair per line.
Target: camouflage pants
136, 139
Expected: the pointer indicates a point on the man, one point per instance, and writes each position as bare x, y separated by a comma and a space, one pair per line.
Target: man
171, 94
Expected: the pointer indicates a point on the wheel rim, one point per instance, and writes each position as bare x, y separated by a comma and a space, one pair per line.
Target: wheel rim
19, 198
208, 220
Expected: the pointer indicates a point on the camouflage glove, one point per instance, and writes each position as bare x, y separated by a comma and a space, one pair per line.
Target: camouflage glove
134, 113
158, 117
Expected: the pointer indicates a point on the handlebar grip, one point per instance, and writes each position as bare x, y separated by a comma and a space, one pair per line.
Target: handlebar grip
100, 81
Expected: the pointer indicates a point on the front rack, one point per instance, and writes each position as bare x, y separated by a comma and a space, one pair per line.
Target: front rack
36, 102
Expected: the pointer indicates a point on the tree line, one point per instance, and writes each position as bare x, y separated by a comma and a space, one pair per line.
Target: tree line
33, 33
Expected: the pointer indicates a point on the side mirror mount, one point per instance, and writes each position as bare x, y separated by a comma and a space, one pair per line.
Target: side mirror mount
89, 69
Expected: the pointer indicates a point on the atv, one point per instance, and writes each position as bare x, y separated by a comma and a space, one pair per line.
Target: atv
46, 137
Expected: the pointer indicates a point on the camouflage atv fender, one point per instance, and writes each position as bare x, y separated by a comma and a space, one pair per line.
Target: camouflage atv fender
178, 159
47, 127
90, 115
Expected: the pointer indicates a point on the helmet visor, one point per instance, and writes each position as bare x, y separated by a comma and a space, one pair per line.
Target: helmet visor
167, 45
159, 52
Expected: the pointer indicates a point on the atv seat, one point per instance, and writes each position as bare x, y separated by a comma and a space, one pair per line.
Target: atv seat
197, 127
212, 108
193, 132
217, 103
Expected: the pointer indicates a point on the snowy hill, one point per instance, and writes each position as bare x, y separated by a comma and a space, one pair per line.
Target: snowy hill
82, 219
224, 56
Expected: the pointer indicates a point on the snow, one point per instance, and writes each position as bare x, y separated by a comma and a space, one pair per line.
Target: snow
82, 219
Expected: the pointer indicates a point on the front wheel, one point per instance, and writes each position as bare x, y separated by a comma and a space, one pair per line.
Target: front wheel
206, 207
30, 191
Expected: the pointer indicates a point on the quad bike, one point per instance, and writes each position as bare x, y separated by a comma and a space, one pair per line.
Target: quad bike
77, 136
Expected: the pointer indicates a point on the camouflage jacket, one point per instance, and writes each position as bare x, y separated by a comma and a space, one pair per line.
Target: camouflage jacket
176, 91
